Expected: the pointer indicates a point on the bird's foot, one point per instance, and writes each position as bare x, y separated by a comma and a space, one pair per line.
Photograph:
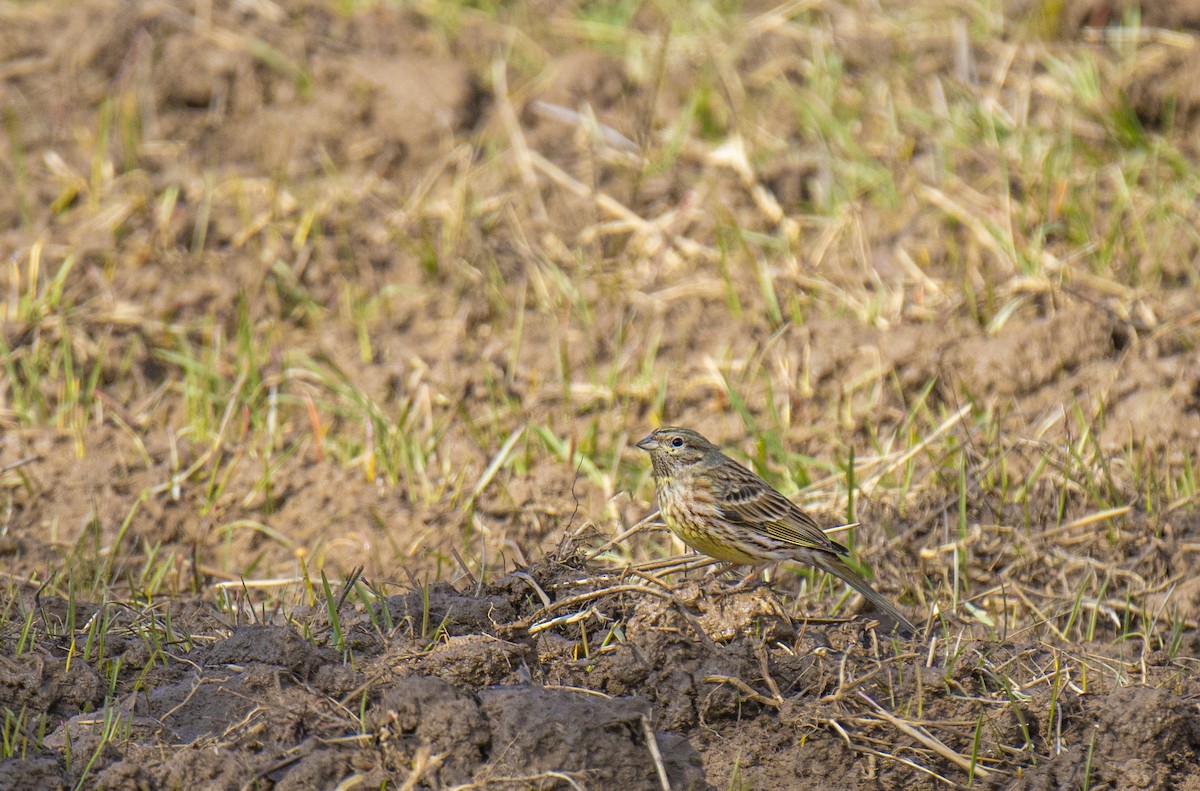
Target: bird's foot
750, 581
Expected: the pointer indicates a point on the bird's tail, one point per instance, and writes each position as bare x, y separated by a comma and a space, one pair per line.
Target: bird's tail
832, 564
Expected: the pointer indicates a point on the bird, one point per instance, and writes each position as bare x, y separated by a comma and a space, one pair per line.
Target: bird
722, 509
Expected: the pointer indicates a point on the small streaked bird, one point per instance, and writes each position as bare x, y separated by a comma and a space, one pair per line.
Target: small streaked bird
724, 510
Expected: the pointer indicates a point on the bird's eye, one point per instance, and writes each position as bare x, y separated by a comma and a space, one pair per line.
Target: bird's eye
677, 442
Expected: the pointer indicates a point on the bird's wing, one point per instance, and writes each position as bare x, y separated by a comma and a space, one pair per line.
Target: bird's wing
746, 499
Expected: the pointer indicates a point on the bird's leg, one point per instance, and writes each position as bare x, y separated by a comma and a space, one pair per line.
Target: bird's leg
749, 581
717, 569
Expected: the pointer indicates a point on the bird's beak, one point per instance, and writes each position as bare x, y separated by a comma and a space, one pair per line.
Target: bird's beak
648, 442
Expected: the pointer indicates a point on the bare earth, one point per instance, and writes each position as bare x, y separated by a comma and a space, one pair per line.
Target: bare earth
320, 267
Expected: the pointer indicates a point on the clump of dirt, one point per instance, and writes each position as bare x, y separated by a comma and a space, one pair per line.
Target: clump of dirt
268, 645
600, 739
27, 774
421, 712
440, 606
44, 684
1138, 737
477, 660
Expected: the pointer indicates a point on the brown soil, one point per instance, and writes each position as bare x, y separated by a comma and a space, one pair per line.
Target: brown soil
260, 112
493, 705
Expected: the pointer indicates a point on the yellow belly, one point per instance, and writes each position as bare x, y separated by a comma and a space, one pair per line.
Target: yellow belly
704, 543
707, 539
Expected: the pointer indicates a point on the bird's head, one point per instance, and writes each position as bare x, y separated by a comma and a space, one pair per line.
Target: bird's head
674, 449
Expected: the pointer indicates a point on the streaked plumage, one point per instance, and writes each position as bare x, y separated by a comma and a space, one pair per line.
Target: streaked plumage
724, 510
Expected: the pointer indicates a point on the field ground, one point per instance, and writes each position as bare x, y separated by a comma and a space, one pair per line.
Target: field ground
329, 330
